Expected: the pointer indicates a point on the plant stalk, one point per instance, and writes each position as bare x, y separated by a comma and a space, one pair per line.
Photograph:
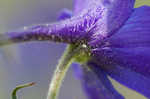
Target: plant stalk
14, 96
61, 70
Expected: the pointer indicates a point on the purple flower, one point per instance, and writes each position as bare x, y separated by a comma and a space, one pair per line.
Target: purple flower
114, 34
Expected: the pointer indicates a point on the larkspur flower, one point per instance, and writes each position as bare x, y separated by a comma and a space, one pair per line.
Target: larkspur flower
108, 38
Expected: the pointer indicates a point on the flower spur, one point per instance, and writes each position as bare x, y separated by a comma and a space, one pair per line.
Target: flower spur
107, 37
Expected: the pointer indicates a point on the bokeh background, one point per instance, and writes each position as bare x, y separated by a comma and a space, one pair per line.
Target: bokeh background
36, 61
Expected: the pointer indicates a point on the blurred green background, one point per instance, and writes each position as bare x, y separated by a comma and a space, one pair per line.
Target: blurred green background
28, 62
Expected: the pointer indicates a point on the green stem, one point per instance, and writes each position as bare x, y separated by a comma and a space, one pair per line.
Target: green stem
14, 96
60, 71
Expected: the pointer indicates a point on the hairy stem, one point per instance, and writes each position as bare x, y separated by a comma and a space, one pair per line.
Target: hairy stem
60, 71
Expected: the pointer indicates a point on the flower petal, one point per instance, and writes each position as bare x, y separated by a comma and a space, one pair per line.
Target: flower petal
65, 14
106, 16
127, 76
80, 5
95, 82
135, 59
130, 79
129, 67
135, 32
68, 31
130, 46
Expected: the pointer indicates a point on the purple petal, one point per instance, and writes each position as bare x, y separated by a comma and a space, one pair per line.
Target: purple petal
135, 32
79, 5
106, 16
95, 82
126, 56
64, 14
126, 76
135, 59
130, 47
130, 79
68, 31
